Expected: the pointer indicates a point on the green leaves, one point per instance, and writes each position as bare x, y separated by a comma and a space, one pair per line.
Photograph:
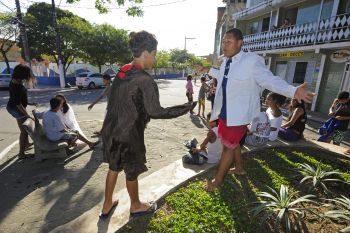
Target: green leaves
282, 205
106, 44
317, 177
340, 211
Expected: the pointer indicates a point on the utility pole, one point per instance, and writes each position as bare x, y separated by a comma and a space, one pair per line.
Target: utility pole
23, 33
228, 14
58, 44
188, 38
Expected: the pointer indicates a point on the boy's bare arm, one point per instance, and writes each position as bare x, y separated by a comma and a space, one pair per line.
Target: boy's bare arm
211, 137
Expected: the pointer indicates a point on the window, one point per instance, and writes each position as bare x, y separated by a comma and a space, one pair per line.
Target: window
344, 7
308, 14
265, 24
299, 73
327, 9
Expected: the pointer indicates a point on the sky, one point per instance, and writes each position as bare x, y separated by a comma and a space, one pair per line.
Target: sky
170, 20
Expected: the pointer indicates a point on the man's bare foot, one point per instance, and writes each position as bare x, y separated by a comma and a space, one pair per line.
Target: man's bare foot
108, 206
236, 171
93, 144
347, 152
231, 170
212, 185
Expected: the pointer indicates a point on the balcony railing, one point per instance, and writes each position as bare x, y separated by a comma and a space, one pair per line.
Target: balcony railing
334, 29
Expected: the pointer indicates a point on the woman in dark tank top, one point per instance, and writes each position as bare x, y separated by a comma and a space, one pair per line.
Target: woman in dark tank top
293, 129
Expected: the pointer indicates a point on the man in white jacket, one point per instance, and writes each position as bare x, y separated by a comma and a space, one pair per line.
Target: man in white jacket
242, 77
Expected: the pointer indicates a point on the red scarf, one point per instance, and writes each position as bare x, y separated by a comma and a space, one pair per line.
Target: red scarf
125, 68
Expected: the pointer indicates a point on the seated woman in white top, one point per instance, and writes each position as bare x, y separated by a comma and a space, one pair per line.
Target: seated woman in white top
211, 147
67, 115
274, 101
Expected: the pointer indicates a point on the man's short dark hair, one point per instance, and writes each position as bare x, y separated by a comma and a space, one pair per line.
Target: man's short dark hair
237, 34
343, 95
203, 78
22, 72
106, 77
54, 103
142, 41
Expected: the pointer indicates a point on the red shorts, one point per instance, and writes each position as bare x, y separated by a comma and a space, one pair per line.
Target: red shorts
231, 135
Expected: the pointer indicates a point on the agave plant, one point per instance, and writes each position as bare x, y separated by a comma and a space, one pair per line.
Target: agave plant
282, 206
317, 177
340, 211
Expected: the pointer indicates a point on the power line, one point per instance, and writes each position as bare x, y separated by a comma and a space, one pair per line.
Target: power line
6, 6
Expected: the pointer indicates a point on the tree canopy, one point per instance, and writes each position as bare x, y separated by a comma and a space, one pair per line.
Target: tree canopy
98, 44
8, 36
102, 6
106, 44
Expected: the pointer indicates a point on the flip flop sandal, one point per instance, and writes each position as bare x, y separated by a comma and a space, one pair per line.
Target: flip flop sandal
103, 216
25, 156
150, 210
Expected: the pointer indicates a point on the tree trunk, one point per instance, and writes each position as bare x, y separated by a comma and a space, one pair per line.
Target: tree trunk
99, 68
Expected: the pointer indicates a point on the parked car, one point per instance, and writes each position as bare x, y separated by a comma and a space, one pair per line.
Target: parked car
89, 80
5, 81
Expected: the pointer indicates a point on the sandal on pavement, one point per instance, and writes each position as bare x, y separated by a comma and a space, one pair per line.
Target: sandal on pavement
25, 156
94, 144
106, 215
150, 210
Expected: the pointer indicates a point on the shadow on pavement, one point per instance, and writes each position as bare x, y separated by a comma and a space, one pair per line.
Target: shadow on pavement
54, 191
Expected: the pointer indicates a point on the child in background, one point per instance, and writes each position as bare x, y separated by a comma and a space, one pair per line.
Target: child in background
201, 96
189, 89
54, 127
274, 101
211, 147
105, 93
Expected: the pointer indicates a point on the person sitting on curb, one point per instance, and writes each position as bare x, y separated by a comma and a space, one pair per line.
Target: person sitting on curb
67, 115
105, 93
211, 147
293, 129
55, 129
340, 111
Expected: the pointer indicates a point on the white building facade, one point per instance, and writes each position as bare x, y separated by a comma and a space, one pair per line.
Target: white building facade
301, 41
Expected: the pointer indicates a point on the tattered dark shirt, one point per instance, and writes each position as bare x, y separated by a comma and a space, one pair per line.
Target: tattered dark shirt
133, 101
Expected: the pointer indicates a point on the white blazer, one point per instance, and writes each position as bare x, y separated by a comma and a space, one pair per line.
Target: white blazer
247, 77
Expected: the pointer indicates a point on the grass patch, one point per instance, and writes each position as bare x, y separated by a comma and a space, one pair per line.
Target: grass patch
192, 209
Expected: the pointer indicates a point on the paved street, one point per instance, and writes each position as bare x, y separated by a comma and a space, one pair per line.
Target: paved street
41, 196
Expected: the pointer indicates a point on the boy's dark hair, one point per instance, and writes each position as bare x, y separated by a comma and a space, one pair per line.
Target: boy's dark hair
65, 107
216, 121
22, 72
343, 95
279, 99
106, 77
142, 41
203, 78
236, 33
189, 77
54, 103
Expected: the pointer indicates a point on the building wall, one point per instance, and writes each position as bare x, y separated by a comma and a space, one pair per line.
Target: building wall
330, 84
